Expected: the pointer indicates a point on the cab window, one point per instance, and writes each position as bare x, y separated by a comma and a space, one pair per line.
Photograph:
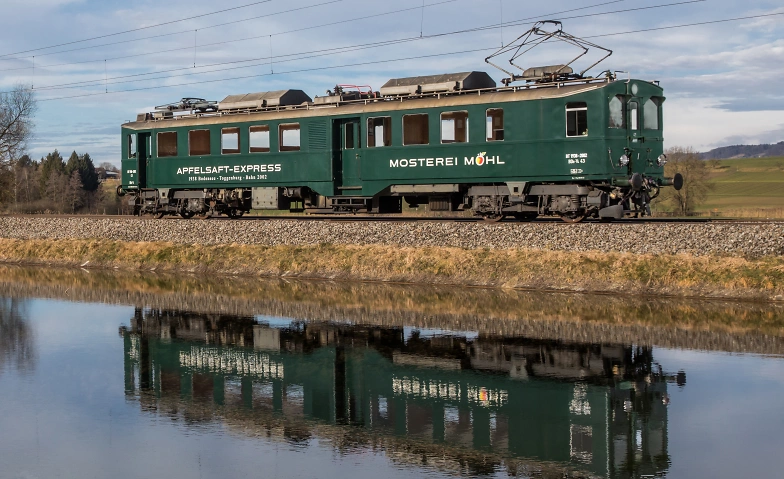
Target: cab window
617, 113
576, 119
132, 145
650, 114
634, 115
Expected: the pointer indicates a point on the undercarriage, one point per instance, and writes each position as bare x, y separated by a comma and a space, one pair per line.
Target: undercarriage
524, 201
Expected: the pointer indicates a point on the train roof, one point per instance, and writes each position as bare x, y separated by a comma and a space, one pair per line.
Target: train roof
432, 91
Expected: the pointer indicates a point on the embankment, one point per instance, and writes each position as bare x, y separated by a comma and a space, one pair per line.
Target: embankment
718, 325
705, 260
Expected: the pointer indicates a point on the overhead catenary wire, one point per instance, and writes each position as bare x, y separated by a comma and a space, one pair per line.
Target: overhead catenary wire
280, 58
748, 17
86, 83
329, 67
332, 67
383, 43
147, 27
224, 42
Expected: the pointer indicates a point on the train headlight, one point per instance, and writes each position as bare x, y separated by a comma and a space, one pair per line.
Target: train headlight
623, 160
661, 160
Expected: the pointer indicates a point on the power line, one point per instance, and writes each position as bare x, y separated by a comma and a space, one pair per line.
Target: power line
373, 45
689, 25
384, 43
125, 42
278, 58
749, 17
331, 67
365, 17
137, 29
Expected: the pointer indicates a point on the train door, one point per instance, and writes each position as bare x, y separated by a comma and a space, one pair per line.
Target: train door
144, 152
634, 131
346, 147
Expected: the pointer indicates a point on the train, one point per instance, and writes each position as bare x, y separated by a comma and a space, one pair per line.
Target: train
487, 402
547, 142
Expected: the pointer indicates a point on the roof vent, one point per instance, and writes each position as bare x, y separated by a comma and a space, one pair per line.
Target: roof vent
448, 82
261, 100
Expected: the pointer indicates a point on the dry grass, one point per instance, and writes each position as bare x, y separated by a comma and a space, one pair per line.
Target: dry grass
678, 275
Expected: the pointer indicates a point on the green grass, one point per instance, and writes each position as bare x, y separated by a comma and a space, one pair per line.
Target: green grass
750, 187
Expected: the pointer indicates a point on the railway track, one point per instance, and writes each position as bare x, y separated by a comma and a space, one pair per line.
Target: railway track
418, 219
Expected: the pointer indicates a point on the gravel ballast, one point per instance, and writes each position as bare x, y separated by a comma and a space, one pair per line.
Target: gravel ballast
751, 240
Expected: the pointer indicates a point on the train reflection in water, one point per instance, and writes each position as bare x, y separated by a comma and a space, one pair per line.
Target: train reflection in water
454, 401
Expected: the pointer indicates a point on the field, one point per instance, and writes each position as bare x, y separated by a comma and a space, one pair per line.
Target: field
746, 187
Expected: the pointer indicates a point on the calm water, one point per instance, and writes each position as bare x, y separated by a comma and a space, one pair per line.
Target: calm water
98, 390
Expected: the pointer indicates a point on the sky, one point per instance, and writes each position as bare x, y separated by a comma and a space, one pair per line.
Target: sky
95, 64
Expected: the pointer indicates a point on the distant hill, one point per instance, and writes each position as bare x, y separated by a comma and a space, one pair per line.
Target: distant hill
745, 151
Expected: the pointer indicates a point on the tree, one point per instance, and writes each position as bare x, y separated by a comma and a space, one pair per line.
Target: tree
74, 194
84, 165
696, 182
109, 167
87, 173
56, 187
17, 108
25, 187
52, 163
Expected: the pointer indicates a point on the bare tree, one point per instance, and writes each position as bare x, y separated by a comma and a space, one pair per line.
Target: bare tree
74, 194
17, 108
696, 176
109, 167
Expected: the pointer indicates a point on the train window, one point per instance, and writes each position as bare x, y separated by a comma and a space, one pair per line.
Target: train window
167, 144
379, 131
348, 140
454, 127
633, 115
259, 139
495, 124
230, 141
577, 119
288, 137
416, 130
617, 117
650, 114
198, 142
132, 145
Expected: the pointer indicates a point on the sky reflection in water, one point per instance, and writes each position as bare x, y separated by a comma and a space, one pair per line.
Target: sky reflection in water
95, 390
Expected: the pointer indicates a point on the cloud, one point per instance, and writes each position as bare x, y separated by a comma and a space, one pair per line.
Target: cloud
734, 68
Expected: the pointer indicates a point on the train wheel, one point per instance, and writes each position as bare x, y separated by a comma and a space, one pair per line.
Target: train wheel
234, 213
493, 218
158, 215
572, 217
187, 214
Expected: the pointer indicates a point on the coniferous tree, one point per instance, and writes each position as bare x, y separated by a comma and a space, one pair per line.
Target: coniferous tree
53, 162
87, 173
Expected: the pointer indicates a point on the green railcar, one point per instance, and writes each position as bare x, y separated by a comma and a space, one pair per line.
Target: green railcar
490, 401
574, 148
